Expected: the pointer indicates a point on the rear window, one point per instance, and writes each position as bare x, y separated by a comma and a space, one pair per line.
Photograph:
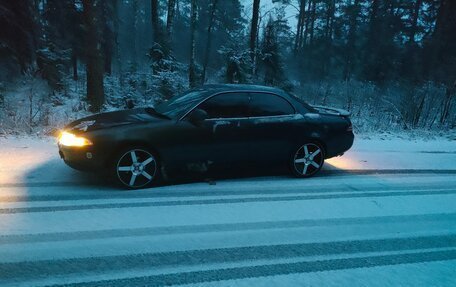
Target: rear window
308, 107
265, 104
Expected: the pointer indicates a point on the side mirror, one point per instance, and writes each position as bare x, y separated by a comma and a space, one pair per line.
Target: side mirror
197, 116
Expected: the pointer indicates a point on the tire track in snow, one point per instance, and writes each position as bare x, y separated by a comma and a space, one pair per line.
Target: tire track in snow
322, 173
243, 190
205, 228
384, 171
274, 269
219, 201
98, 265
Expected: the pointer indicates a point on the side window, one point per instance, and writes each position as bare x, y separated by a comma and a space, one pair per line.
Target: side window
229, 105
263, 104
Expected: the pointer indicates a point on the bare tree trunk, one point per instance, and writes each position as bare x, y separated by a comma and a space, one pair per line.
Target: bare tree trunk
329, 31
312, 22
108, 60
178, 11
74, 62
329, 18
209, 38
118, 55
95, 67
306, 32
254, 28
300, 26
170, 18
352, 30
108, 16
192, 67
134, 43
155, 21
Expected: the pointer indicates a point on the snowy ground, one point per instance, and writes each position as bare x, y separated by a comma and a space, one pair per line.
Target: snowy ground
383, 214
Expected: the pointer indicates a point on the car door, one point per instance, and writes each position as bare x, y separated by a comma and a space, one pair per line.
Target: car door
227, 114
272, 127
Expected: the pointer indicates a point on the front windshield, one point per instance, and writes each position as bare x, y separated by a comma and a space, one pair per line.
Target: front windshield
178, 105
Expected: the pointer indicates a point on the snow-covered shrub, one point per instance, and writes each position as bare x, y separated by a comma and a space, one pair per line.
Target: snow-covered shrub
378, 109
24, 105
238, 67
52, 65
167, 84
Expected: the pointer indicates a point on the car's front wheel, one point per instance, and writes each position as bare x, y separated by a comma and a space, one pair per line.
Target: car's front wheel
307, 160
136, 168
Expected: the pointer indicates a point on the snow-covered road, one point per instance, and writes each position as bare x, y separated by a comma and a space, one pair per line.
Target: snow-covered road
382, 215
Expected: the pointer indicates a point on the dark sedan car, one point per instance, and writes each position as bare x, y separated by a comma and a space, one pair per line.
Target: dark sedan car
216, 126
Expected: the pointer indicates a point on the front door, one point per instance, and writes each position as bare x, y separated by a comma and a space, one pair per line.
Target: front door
226, 137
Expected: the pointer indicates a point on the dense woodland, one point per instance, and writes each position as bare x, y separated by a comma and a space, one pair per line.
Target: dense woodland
392, 63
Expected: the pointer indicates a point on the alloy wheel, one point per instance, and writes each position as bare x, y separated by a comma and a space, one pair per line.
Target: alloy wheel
136, 168
308, 160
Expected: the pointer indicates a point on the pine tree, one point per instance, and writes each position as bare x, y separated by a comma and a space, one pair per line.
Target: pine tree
18, 40
271, 61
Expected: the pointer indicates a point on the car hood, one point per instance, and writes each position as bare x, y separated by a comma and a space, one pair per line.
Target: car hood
117, 118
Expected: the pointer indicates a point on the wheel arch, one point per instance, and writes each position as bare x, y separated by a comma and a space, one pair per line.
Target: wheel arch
321, 143
131, 144
312, 139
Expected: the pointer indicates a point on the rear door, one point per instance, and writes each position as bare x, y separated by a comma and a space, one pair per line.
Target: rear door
272, 127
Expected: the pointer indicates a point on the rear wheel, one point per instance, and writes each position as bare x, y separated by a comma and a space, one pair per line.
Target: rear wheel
307, 160
136, 168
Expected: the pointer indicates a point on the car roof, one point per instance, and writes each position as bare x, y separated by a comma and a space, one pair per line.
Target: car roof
217, 88
209, 90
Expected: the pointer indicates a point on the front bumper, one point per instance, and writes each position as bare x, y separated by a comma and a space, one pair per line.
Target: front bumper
82, 158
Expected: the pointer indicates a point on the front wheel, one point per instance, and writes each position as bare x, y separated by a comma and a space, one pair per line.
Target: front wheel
307, 160
136, 168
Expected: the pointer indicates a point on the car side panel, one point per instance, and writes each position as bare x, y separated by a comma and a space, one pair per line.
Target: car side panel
272, 139
181, 144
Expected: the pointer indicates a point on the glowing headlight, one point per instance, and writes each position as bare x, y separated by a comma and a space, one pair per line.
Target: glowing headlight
69, 139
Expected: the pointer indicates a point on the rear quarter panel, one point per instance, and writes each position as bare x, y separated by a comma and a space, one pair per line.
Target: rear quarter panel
331, 130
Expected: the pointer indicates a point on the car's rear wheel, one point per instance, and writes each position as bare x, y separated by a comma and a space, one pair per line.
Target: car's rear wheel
307, 160
136, 168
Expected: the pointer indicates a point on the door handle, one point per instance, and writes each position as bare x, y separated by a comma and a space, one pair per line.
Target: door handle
220, 123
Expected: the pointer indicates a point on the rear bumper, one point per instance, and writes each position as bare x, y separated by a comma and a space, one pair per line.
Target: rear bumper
340, 144
84, 159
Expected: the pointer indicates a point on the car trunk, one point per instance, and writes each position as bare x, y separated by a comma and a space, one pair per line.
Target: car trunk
332, 111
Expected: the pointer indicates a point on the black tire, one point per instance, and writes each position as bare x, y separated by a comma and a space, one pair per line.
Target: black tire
307, 160
136, 167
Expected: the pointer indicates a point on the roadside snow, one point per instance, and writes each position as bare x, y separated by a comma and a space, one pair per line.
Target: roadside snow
385, 218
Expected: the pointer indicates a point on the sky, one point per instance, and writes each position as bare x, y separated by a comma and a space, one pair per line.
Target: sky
267, 5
